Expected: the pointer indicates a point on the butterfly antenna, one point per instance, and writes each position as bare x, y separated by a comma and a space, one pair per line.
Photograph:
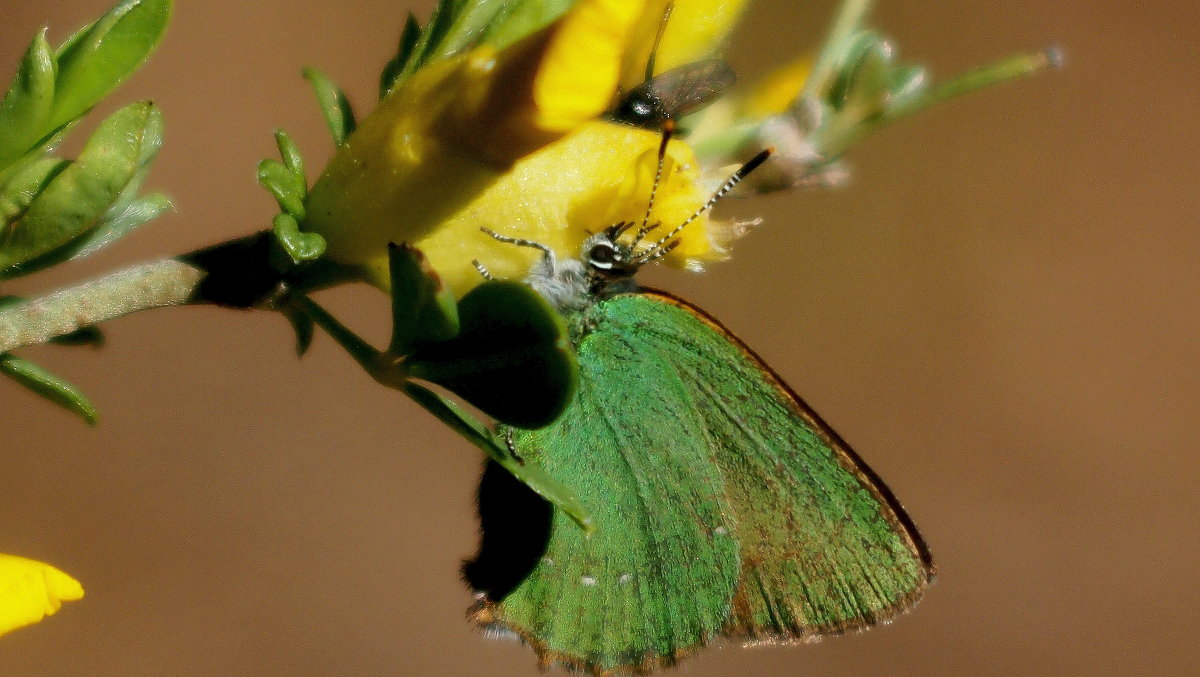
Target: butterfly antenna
653, 253
662, 28
667, 132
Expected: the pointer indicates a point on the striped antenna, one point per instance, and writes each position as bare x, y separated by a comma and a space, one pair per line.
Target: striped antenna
655, 250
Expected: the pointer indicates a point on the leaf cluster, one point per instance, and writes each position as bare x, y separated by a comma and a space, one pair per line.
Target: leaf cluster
55, 209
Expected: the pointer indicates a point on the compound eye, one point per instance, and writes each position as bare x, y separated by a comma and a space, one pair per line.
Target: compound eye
602, 255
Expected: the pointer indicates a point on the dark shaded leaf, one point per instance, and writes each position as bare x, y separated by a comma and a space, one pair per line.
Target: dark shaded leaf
302, 324
86, 336
510, 358
394, 68
423, 311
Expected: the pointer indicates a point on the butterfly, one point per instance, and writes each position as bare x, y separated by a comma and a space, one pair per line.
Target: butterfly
725, 506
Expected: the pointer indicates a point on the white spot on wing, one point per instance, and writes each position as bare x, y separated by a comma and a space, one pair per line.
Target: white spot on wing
587, 580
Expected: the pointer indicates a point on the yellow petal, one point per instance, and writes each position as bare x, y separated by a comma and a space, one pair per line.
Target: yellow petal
594, 177
696, 30
30, 591
455, 126
775, 92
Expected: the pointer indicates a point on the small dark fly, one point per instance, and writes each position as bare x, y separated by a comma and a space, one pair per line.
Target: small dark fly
673, 94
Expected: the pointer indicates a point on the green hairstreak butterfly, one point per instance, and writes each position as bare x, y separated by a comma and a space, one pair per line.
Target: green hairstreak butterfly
725, 506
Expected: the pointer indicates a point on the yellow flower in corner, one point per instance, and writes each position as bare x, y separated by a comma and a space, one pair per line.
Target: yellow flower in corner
31, 590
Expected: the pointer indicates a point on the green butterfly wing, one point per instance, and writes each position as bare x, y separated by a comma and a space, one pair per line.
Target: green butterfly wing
724, 505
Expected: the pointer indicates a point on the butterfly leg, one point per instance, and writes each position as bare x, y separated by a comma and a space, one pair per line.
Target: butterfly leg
520, 242
548, 263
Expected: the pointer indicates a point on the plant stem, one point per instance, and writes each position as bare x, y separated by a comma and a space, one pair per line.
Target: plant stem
168, 282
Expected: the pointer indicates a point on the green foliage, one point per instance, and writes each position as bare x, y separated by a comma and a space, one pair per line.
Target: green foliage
53, 89
857, 86
56, 209
98, 58
509, 358
519, 18
287, 184
456, 25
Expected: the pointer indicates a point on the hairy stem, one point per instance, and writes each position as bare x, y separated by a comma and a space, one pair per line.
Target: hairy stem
168, 282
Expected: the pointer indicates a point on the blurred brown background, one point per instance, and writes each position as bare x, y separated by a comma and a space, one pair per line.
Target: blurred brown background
1000, 313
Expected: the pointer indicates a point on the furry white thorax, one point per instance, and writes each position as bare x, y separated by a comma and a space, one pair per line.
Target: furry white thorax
604, 267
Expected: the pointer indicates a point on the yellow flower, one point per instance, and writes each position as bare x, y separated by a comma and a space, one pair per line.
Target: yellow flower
696, 30
30, 591
594, 177
512, 140
456, 126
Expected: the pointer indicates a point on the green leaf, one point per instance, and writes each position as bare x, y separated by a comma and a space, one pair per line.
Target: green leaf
468, 21
116, 224
282, 183
529, 474
394, 68
861, 68
339, 115
423, 311
518, 18
510, 357
290, 153
119, 222
97, 59
299, 246
25, 112
906, 83
25, 185
432, 34
47, 385
40, 149
81, 197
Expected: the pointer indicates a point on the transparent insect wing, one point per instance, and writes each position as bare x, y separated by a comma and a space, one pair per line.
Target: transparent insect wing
691, 86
